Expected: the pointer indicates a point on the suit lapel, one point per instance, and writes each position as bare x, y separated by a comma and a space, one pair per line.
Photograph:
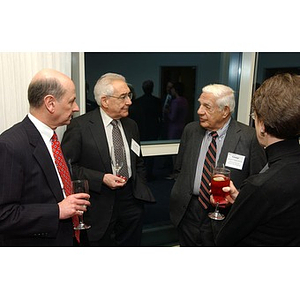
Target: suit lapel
99, 135
129, 136
42, 156
231, 140
195, 149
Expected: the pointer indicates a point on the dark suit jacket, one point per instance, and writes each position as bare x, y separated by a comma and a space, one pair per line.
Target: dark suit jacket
146, 111
240, 139
30, 191
85, 144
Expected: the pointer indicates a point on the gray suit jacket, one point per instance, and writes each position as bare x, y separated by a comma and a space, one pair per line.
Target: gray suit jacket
240, 139
85, 144
30, 191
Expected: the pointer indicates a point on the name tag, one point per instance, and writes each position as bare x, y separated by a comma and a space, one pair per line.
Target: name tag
235, 161
135, 147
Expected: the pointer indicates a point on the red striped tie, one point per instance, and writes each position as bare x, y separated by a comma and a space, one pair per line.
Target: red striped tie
209, 162
64, 175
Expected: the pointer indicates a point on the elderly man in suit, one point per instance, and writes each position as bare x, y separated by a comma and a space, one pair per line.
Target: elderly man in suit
237, 148
35, 209
117, 203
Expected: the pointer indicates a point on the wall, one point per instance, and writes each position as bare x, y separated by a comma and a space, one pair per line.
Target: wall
138, 67
16, 72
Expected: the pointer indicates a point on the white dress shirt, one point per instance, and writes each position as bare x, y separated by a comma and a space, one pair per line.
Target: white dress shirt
46, 133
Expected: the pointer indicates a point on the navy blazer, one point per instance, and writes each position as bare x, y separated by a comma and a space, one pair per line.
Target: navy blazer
30, 191
85, 145
240, 139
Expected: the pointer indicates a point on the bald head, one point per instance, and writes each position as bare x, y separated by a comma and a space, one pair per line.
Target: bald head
52, 96
46, 82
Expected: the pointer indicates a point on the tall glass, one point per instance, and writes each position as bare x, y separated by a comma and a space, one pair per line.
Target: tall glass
81, 186
220, 178
118, 163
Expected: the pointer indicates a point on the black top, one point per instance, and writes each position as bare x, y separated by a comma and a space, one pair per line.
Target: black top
267, 209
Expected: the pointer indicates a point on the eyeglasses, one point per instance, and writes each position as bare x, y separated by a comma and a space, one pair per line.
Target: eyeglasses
122, 97
252, 115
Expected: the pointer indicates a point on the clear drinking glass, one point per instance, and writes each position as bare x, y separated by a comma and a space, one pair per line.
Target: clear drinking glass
117, 164
81, 186
220, 178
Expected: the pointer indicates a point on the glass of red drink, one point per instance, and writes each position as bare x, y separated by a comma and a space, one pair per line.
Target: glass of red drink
220, 178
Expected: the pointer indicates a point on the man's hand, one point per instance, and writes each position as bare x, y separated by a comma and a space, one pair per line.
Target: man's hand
113, 181
73, 205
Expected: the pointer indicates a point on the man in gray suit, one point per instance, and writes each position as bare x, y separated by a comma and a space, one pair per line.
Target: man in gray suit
237, 148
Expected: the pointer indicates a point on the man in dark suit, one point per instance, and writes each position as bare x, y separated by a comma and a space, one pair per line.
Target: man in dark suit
146, 111
237, 149
34, 210
117, 204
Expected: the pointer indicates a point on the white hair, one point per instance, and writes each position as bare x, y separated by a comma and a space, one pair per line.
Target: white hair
104, 87
224, 95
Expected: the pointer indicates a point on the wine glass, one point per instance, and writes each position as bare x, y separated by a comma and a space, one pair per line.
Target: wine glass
219, 179
117, 161
81, 186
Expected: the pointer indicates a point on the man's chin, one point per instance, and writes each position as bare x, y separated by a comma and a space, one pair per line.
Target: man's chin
203, 124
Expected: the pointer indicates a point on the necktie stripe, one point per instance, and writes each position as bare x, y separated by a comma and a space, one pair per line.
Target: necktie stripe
209, 162
205, 188
206, 178
203, 202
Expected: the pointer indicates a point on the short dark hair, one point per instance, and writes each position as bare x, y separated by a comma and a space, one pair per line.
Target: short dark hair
148, 86
277, 103
40, 88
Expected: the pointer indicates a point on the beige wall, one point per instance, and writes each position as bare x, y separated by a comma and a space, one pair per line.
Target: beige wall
16, 71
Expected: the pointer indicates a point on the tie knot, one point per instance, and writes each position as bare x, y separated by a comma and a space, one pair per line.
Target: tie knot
54, 137
114, 123
214, 134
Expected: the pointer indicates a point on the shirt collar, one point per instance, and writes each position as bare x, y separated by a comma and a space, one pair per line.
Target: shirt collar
105, 117
222, 131
43, 129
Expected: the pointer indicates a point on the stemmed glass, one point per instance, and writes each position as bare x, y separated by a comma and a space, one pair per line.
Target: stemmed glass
117, 163
219, 179
81, 186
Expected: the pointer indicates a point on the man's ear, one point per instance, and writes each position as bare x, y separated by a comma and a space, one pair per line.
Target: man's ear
50, 102
104, 102
226, 112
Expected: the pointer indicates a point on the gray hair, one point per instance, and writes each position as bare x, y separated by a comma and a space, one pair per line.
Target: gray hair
104, 86
224, 95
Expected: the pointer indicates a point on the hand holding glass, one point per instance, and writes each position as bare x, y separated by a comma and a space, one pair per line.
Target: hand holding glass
117, 164
220, 178
81, 186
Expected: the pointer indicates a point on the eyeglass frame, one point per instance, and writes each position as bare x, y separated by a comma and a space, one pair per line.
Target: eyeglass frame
252, 115
122, 97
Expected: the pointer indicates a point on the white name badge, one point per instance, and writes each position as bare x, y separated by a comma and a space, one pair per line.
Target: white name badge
135, 147
235, 161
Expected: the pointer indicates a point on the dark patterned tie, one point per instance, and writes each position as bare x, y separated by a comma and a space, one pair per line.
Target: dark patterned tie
119, 148
64, 175
209, 163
